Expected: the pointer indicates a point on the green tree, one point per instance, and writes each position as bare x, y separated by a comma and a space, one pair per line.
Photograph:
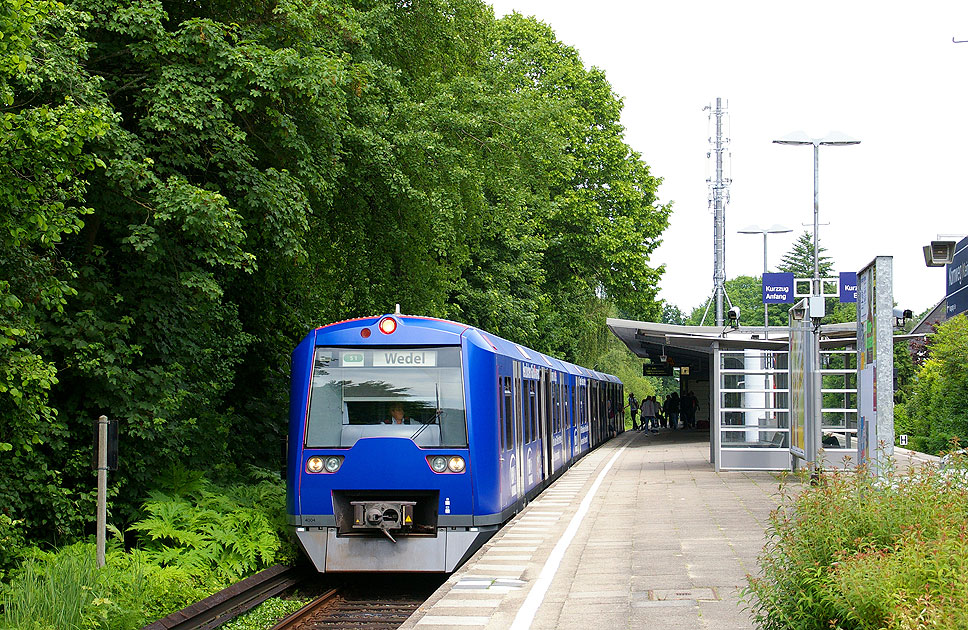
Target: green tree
51, 120
190, 187
799, 260
600, 220
671, 314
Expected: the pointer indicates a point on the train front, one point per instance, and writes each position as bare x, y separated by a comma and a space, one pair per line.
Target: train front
379, 469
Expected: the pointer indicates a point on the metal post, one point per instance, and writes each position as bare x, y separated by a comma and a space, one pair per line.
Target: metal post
102, 486
766, 313
719, 271
816, 220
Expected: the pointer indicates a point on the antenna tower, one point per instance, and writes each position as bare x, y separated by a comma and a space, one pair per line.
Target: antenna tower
718, 198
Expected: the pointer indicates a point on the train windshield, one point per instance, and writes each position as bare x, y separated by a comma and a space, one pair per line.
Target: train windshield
414, 393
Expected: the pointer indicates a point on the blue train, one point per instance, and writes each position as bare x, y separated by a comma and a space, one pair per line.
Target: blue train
412, 439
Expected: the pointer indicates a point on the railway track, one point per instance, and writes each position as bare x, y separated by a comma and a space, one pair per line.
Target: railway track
359, 602
362, 605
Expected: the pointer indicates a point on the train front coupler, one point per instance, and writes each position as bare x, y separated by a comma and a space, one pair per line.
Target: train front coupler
383, 516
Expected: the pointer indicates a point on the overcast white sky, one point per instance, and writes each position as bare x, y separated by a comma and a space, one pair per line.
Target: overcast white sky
886, 73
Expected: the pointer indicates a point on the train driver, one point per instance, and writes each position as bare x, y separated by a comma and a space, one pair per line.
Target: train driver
396, 415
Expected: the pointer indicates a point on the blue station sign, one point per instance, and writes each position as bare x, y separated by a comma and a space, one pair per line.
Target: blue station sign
778, 288
957, 281
848, 286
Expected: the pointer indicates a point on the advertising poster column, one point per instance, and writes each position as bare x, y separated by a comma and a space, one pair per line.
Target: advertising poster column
802, 423
875, 364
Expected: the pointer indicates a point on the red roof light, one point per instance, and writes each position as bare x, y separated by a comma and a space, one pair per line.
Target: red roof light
388, 325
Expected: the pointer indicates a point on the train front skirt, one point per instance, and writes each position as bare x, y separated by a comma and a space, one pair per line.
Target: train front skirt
442, 553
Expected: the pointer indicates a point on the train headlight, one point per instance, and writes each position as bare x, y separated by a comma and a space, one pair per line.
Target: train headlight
387, 325
314, 464
332, 463
456, 464
438, 463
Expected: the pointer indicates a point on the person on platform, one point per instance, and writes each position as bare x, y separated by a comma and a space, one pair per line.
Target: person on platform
634, 410
671, 410
649, 411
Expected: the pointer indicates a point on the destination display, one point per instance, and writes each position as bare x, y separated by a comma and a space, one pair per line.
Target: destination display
404, 358
656, 369
389, 358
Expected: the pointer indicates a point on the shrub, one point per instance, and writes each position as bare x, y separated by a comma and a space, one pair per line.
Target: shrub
937, 410
854, 552
12, 543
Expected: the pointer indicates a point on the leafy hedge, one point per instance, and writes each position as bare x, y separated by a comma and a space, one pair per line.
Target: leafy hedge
856, 553
936, 412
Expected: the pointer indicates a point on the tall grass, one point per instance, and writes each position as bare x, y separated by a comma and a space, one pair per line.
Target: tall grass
855, 552
195, 539
55, 591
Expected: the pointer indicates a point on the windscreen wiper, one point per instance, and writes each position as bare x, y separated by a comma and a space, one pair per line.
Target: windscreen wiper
436, 418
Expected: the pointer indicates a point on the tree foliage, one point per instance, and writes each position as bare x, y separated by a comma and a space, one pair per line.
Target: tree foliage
937, 410
799, 260
189, 187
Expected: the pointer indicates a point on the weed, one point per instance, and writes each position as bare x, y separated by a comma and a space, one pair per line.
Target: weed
856, 552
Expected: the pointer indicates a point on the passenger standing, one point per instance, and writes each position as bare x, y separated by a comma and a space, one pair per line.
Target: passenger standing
671, 410
634, 410
689, 406
648, 414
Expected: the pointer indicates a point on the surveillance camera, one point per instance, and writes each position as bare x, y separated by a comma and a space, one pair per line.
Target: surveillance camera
733, 314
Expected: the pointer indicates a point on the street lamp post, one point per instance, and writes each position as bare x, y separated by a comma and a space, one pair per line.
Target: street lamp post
773, 229
832, 139
812, 417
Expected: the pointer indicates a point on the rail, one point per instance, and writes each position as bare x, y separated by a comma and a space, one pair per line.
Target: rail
296, 618
231, 602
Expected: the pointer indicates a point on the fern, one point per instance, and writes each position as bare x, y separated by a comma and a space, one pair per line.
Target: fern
207, 530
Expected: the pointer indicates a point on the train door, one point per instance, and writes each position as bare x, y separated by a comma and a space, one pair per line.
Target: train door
518, 422
556, 424
544, 422
571, 417
509, 473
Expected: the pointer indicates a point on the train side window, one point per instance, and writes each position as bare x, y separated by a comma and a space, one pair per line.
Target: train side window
532, 407
508, 405
556, 408
500, 414
518, 410
525, 411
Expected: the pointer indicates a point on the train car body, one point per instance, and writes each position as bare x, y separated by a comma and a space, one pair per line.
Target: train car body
412, 439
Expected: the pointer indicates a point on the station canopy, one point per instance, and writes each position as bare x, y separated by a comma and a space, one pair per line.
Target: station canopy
692, 346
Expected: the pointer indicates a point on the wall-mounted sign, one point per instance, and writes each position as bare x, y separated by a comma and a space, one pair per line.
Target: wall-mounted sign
848, 286
656, 369
778, 288
957, 281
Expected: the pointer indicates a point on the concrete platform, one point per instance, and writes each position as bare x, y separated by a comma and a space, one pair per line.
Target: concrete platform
642, 533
